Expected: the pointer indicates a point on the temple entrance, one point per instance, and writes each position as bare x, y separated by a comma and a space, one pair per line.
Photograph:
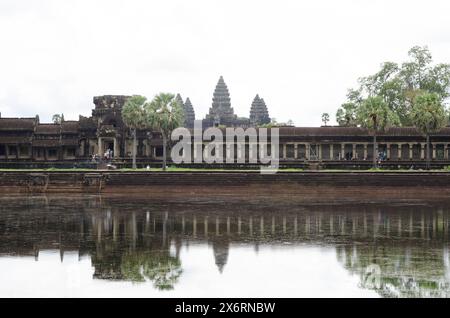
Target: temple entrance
313, 152
109, 145
348, 151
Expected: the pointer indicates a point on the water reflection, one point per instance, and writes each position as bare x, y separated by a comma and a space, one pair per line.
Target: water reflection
395, 251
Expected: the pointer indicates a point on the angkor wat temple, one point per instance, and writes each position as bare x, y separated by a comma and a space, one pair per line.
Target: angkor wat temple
26, 142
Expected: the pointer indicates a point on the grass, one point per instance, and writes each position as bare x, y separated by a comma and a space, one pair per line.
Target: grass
180, 169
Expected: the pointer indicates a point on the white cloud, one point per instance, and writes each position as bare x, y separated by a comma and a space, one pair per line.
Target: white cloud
299, 56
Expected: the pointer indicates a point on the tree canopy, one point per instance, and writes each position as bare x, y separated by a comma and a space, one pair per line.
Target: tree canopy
133, 112
428, 114
398, 85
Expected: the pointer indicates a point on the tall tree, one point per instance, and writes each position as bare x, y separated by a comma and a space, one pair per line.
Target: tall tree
134, 117
399, 85
376, 115
164, 113
325, 118
346, 115
429, 116
58, 119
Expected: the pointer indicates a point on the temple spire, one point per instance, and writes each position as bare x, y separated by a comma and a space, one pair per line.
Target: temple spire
259, 114
179, 100
188, 111
189, 114
221, 111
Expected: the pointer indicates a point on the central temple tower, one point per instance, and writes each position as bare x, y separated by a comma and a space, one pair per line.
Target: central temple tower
221, 112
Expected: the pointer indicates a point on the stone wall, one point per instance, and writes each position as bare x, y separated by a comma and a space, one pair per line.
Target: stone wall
219, 182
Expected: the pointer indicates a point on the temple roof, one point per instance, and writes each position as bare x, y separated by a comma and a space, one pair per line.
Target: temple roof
48, 129
70, 126
17, 123
69, 142
46, 143
15, 140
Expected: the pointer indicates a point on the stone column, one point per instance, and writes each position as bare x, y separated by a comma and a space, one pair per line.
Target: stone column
284, 151
342, 151
295, 151
410, 151
307, 156
446, 151
320, 151
100, 147
354, 151
365, 151
433, 156
331, 152
388, 151
422, 151
116, 148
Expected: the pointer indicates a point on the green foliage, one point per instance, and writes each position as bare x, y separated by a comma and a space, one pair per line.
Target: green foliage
58, 119
274, 123
164, 113
133, 114
428, 113
399, 86
162, 269
375, 114
325, 118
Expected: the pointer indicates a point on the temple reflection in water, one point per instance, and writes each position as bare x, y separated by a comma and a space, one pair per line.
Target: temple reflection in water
404, 246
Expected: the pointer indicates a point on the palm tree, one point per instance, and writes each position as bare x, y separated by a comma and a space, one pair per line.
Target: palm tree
376, 115
325, 118
429, 116
133, 116
164, 113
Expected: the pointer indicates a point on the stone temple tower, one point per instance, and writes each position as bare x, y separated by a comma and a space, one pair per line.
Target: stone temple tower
259, 115
189, 114
188, 111
221, 112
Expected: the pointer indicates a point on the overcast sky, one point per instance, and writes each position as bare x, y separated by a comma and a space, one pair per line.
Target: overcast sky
299, 56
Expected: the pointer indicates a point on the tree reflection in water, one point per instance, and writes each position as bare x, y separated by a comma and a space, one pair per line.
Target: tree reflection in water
398, 251
162, 269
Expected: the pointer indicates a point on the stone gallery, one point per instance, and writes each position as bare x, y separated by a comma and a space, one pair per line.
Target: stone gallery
26, 142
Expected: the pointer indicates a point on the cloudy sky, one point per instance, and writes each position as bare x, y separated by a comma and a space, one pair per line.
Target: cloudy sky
300, 56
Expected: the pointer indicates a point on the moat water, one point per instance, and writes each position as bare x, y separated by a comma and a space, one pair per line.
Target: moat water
133, 246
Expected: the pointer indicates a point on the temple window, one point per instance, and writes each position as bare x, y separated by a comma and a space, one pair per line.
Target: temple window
290, 151
405, 152
301, 150
24, 150
326, 151
440, 152
337, 151
12, 150
348, 151
359, 152
70, 152
52, 153
159, 151
370, 152
416, 151
40, 152
394, 152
